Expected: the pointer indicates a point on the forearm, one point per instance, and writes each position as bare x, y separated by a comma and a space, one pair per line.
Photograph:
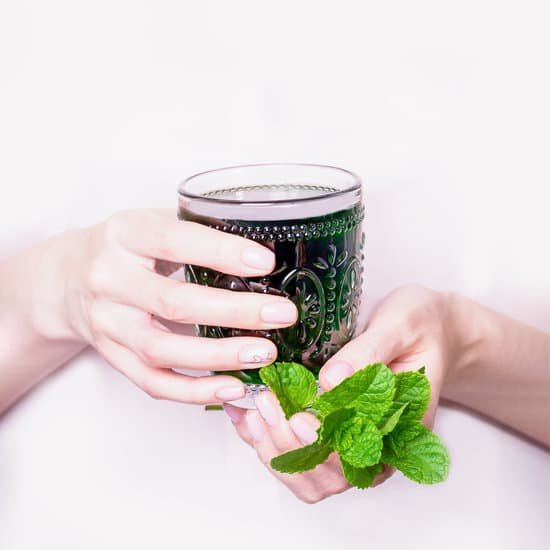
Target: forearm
503, 370
35, 337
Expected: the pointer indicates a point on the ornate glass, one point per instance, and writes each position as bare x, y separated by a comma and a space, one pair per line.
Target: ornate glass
311, 217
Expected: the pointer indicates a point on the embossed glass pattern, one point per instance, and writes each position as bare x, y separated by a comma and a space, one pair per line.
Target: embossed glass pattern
311, 217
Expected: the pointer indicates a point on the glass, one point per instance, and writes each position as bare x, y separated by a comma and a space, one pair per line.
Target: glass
310, 216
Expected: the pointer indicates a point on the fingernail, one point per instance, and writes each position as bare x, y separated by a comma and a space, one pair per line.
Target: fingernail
230, 393
303, 430
234, 413
255, 426
337, 371
280, 312
269, 410
258, 257
256, 354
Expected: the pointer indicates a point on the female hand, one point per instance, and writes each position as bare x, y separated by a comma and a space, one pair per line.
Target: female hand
411, 328
267, 431
114, 296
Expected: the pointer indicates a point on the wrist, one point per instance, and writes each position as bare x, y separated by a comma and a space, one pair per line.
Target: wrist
470, 332
51, 296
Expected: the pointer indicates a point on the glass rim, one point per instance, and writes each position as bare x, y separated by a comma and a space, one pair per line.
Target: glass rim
355, 184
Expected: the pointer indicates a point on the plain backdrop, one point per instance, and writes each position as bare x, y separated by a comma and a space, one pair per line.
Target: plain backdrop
442, 107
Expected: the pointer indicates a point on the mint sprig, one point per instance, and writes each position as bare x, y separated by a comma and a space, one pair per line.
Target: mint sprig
370, 419
294, 386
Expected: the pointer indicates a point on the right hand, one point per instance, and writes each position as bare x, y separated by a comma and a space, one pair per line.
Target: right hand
114, 296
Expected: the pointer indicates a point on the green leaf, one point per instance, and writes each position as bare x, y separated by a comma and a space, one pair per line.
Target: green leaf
293, 384
417, 452
310, 456
360, 477
332, 422
412, 388
403, 432
369, 390
390, 422
302, 459
358, 441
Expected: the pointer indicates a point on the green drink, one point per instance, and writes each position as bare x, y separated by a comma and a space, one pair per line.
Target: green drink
310, 217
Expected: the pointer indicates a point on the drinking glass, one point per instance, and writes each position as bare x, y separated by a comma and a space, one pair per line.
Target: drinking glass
310, 216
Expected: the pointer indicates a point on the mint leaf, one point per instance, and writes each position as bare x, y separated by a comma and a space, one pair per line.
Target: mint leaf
360, 477
417, 452
403, 432
390, 422
358, 441
370, 391
412, 388
293, 384
332, 422
306, 458
302, 459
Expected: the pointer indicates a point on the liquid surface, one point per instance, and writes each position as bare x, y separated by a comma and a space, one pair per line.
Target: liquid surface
270, 193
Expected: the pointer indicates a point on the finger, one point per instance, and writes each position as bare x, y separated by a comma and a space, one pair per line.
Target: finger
304, 427
238, 417
376, 345
266, 449
235, 414
192, 303
166, 384
329, 475
156, 236
311, 486
162, 348
278, 428
326, 478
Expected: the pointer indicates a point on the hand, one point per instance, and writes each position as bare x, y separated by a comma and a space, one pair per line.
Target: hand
267, 431
411, 328
114, 297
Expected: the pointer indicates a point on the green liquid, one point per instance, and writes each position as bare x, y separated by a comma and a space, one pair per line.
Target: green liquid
318, 267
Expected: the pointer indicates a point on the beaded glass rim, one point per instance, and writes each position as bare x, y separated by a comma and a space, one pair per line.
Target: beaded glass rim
212, 197
304, 231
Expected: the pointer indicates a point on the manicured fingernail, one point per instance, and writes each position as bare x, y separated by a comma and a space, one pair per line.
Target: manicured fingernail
230, 393
280, 312
234, 413
268, 409
255, 426
258, 257
337, 371
303, 430
256, 353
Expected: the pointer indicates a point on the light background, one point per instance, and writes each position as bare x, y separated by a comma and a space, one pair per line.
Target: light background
441, 106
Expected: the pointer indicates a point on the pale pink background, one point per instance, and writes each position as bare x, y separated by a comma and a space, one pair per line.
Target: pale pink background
442, 107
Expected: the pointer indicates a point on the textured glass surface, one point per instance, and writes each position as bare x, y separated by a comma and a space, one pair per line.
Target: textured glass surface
318, 267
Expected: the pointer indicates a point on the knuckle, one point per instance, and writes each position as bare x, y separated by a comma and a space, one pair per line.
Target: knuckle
165, 247
113, 227
165, 305
148, 351
219, 251
96, 319
150, 387
310, 497
98, 276
218, 353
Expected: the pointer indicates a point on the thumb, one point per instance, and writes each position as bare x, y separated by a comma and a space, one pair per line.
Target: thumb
375, 345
